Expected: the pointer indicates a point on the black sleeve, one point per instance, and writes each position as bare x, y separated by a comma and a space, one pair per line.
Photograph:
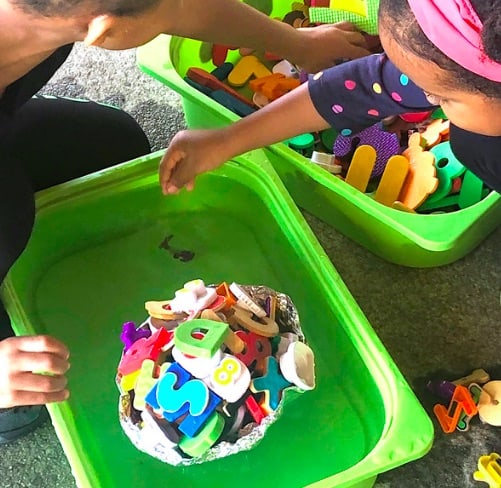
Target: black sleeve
481, 154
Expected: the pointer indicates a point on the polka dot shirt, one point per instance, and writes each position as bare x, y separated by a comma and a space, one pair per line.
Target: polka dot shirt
355, 95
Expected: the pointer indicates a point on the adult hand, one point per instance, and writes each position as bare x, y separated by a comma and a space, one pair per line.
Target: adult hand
190, 153
32, 370
320, 47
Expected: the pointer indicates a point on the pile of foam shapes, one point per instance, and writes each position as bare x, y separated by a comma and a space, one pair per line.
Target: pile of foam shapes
205, 374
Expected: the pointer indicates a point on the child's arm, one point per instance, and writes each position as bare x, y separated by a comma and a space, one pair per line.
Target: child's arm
349, 97
193, 152
231, 22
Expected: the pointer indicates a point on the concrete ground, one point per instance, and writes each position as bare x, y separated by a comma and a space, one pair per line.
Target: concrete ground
431, 320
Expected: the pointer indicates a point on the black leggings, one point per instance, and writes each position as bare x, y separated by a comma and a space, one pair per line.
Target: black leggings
53, 140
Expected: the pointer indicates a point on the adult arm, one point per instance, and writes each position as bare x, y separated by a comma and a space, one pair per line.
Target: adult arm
233, 23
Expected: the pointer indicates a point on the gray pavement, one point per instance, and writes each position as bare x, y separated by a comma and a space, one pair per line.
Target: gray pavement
431, 320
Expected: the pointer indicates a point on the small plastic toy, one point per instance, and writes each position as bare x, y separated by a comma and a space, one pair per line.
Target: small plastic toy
489, 406
465, 419
449, 417
361, 167
298, 365
489, 470
479, 376
326, 161
273, 86
421, 180
392, 181
303, 143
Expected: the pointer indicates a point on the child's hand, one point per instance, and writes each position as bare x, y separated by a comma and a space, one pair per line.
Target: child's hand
32, 371
321, 46
190, 153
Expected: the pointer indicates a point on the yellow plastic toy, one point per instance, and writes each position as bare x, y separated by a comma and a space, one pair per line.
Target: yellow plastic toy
362, 13
489, 470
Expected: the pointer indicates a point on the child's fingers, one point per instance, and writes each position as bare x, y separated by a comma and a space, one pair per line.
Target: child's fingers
354, 52
41, 361
39, 383
41, 343
169, 162
171, 189
21, 397
346, 26
356, 38
182, 176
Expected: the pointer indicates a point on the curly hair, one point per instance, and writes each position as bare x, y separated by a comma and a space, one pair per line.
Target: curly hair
54, 8
397, 17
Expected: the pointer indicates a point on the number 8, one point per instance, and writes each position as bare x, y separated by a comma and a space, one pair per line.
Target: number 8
224, 373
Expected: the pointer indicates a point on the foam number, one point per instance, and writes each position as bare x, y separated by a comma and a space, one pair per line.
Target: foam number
264, 326
212, 334
224, 374
257, 349
392, 181
272, 384
361, 167
178, 395
246, 68
230, 379
362, 13
145, 381
464, 420
145, 348
449, 417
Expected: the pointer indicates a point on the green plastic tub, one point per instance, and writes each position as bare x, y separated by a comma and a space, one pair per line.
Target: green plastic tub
406, 239
96, 256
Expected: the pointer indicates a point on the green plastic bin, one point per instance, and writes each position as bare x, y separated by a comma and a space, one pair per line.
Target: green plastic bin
95, 257
406, 239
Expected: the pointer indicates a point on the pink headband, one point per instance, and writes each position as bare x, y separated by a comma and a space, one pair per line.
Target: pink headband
453, 27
